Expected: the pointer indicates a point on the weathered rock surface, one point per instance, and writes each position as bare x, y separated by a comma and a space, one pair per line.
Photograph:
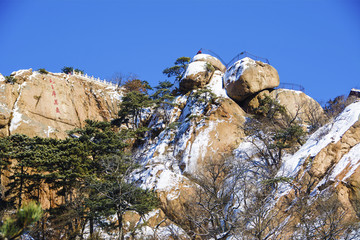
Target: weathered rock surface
247, 77
199, 72
48, 105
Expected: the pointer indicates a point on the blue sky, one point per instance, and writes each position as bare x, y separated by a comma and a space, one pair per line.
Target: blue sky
315, 43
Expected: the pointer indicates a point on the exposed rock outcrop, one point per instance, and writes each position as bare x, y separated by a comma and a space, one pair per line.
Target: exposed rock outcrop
247, 77
48, 105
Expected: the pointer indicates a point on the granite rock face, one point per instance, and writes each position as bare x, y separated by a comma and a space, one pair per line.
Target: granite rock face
48, 105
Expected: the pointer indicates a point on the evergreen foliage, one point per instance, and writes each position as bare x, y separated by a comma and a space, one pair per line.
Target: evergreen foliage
276, 132
178, 69
132, 107
24, 150
70, 70
14, 227
42, 71
4, 162
88, 171
163, 94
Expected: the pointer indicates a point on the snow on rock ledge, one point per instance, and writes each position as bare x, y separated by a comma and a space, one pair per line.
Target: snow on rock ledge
196, 76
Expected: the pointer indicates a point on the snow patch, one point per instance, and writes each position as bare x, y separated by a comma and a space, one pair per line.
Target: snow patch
201, 57
350, 160
198, 148
20, 72
2, 78
167, 181
216, 84
195, 68
167, 232
49, 131
16, 115
16, 119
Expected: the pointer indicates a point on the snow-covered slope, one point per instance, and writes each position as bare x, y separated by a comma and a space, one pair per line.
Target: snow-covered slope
328, 164
330, 133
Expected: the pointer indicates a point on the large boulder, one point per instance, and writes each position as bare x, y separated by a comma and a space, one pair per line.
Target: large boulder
196, 76
247, 77
298, 105
199, 72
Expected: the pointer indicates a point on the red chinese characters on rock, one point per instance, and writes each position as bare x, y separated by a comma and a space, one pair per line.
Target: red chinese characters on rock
54, 95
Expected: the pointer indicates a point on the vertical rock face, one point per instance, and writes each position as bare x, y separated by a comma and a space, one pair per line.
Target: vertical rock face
247, 77
48, 105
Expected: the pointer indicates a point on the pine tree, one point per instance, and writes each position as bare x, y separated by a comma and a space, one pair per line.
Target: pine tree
26, 215
115, 195
132, 107
4, 161
162, 94
178, 69
24, 178
88, 170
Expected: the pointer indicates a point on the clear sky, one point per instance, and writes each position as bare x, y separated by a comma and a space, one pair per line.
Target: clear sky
315, 43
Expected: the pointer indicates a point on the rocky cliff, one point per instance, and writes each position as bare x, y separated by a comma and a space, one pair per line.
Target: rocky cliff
204, 126
48, 105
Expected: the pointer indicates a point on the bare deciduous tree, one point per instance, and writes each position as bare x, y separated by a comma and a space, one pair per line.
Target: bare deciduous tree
322, 218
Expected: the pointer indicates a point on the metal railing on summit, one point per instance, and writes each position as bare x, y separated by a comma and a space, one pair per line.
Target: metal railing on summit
246, 54
292, 86
207, 51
